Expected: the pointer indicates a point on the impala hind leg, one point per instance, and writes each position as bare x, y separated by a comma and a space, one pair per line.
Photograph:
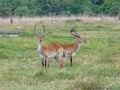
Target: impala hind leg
58, 59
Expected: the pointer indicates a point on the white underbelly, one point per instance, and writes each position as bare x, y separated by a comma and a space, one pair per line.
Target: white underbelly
52, 55
67, 55
49, 56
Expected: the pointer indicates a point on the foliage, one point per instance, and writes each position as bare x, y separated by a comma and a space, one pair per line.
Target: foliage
58, 7
22, 11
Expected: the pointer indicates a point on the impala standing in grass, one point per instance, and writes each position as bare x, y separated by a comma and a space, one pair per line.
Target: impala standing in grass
53, 50
70, 49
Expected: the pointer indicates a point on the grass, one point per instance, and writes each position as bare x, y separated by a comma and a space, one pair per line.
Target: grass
96, 65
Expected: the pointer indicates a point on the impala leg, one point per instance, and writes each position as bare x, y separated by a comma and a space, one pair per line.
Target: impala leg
58, 59
62, 64
46, 62
43, 62
71, 60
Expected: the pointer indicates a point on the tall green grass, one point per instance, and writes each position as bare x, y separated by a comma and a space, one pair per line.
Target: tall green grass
96, 65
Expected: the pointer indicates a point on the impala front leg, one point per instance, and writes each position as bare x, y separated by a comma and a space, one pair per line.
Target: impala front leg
43, 61
46, 62
71, 60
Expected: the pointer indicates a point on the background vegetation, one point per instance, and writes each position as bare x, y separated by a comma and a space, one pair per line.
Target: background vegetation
59, 7
96, 65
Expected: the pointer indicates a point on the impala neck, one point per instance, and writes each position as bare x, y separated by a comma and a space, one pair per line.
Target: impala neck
40, 46
77, 44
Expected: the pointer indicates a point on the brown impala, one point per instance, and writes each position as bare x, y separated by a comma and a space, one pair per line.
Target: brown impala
53, 50
70, 49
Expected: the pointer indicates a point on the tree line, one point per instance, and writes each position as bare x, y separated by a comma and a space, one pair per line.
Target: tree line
58, 7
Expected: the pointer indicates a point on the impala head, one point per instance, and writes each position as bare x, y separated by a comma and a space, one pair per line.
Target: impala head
74, 33
40, 36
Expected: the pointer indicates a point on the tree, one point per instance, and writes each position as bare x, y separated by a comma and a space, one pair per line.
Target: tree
97, 2
8, 7
58, 7
80, 6
111, 7
22, 11
115, 9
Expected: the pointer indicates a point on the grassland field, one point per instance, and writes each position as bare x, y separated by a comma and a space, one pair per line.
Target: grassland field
96, 65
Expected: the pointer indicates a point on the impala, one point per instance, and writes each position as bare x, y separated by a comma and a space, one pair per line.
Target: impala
51, 51
70, 49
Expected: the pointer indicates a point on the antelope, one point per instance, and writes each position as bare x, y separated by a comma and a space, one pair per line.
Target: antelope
70, 49
51, 51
